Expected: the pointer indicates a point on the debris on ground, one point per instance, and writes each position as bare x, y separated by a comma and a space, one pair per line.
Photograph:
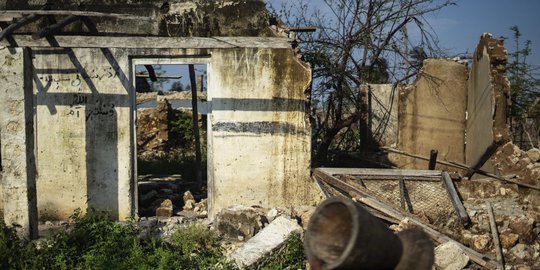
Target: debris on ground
450, 256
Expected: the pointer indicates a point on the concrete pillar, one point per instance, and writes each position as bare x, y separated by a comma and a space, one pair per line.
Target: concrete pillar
17, 136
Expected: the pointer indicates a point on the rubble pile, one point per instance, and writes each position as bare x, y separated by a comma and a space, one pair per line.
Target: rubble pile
153, 131
249, 233
522, 165
518, 223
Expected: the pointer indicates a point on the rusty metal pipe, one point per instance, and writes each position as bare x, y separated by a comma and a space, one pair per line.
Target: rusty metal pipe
343, 235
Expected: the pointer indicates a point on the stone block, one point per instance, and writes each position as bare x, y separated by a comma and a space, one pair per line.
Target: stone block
450, 256
534, 154
238, 222
165, 209
270, 238
523, 226
481, 242
508, 239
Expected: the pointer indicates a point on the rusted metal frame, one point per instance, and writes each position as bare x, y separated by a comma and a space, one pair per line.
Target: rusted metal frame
20, 23
365, 198
454, 198
327, 194
463, 167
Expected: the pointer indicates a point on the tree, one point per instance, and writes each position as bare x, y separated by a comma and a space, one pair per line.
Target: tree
357, 42
177, 86
524, 93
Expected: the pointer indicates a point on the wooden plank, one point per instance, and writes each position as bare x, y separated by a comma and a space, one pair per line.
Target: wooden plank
165, 77
392, 177
137, 42
19, 13
257, 42
382, 172
495, 233
454, 198
367, 199
402, 193
303, 29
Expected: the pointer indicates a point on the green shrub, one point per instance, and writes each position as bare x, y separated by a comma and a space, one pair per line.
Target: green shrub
290, 256
96, 241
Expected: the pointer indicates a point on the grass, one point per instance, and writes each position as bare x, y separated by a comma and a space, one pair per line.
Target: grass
96, 241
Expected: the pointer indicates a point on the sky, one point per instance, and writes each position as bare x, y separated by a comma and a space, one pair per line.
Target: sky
459, 27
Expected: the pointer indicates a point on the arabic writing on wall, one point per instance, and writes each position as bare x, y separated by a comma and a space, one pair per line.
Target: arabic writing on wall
80, 106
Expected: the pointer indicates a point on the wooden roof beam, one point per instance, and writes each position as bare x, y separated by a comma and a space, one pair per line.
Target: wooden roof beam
16, 25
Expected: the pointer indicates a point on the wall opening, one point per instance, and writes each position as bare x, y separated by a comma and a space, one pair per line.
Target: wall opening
170, 160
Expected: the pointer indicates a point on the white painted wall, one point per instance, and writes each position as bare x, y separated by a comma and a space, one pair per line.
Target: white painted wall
260, 144
83, 132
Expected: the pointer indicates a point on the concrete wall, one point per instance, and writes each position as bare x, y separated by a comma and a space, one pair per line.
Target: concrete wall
480, 109
1, 199
487, 100
83, 125
17, 136
260, 133
432, 113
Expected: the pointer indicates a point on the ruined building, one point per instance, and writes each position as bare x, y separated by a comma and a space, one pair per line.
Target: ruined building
67, 102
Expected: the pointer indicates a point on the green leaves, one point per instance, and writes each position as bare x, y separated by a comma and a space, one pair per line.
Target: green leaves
96, 241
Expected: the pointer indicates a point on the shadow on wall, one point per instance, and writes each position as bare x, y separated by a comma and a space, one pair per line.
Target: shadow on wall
86, 126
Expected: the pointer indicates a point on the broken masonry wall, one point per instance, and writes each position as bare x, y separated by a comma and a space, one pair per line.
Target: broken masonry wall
487, 104
179, 18
384, 113
83, 131
432, 114
17, 126
260, 137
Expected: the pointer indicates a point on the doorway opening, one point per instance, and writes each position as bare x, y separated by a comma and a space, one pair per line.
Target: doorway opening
171, 137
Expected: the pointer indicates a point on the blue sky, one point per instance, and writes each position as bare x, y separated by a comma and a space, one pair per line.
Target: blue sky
459, 27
